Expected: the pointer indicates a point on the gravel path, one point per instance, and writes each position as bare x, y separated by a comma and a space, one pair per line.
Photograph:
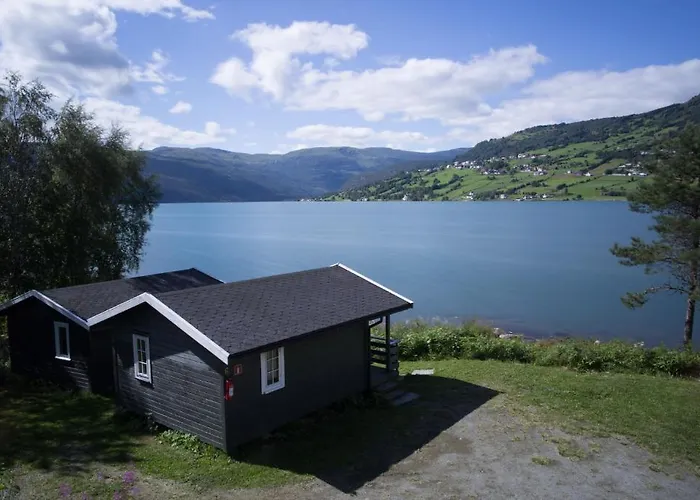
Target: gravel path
493, 453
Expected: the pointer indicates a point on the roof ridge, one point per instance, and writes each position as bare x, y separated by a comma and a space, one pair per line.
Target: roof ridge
126, 279
261, 278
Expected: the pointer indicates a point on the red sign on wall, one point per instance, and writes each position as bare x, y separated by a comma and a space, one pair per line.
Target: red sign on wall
237, 369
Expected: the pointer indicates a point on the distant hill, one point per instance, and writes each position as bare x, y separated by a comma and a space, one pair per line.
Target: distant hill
208, 174
624, 134
592, 159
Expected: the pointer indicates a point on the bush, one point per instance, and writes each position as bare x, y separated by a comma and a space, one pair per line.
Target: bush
187, 442
419, 340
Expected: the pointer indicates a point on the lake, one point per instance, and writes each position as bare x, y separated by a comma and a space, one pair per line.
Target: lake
536, 268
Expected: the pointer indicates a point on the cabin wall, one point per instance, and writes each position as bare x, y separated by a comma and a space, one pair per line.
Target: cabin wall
186, 388
30, 326
319, 370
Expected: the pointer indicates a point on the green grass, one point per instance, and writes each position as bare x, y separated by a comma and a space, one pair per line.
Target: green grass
71, 437
659, 413
52, 438
542, 460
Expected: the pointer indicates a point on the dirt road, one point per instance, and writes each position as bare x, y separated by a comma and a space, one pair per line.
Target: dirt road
493, 453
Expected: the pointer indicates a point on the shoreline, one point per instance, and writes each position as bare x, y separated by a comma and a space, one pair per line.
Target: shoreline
505, 331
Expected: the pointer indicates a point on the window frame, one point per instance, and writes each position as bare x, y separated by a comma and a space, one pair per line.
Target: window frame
265, 387
57, 325
147, 351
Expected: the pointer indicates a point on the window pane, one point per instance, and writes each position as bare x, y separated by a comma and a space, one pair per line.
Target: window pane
272, 366
63, 341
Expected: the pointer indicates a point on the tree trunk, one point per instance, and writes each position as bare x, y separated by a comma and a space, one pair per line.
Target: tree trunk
689, 318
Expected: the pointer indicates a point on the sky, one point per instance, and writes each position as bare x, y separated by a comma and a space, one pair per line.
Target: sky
272, 76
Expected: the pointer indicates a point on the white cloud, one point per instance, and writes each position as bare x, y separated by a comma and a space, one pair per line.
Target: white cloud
71, 46
154, 70
214, 129
159, 89
331, 62
460, 94
583, 95
149, 132
329, 135
234, 77
438, 89
413, 89
181, 107
274, 49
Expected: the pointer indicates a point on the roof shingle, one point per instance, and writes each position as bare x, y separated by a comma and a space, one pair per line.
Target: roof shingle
94, 298
246, 315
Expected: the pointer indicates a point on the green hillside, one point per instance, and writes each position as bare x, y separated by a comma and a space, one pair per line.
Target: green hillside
593, 159
208, 174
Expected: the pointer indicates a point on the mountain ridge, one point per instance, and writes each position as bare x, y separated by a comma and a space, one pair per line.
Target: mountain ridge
210, 174
600, 158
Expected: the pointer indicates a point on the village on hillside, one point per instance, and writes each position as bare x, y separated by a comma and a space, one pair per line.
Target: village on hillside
561, 174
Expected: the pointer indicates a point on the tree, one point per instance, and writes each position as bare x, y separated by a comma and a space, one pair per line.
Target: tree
672, 194
75, 203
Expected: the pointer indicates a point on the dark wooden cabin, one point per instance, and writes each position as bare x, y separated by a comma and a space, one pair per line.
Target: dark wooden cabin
227, 362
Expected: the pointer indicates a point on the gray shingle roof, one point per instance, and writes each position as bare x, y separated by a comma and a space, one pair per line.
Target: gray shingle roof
94, 298
246, 315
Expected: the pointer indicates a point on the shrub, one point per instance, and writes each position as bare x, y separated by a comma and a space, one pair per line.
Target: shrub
420, 340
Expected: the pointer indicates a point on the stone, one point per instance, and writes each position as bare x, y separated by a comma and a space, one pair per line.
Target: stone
429, 371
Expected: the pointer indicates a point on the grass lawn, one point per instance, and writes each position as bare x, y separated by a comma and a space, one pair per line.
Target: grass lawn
52, 438
657, 412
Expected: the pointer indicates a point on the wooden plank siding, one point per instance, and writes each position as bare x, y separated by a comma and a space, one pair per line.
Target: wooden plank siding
30, 326
186, 389
319, 370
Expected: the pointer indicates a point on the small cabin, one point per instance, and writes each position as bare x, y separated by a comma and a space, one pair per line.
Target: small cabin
228, 362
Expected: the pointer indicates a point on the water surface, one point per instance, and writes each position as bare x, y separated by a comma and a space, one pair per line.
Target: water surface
538, 268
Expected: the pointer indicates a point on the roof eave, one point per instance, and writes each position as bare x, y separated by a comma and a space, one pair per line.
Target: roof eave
169, 314
369, 280
49, 302
294, 338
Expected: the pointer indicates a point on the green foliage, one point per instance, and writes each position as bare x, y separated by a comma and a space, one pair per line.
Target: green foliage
75, 204
672, 195
187, 442
638, 131
420, 341
567, 151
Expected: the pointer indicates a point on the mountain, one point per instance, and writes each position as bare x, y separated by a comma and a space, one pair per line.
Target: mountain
592, 159
208, 174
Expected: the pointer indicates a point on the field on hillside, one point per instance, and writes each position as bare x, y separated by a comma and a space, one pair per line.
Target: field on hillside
601, 159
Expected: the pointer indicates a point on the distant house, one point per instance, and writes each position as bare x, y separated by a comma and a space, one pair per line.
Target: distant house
587, 174
227, 362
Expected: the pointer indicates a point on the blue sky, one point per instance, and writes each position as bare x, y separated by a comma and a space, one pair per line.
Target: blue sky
278, 75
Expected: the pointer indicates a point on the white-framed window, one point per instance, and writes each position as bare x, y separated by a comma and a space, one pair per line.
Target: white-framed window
272, 370
61, 337
142, 358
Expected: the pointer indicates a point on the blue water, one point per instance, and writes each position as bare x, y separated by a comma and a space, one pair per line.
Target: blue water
535, 268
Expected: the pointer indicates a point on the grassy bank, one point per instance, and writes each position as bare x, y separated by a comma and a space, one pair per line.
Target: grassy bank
657, 412
420, 341
53, 441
